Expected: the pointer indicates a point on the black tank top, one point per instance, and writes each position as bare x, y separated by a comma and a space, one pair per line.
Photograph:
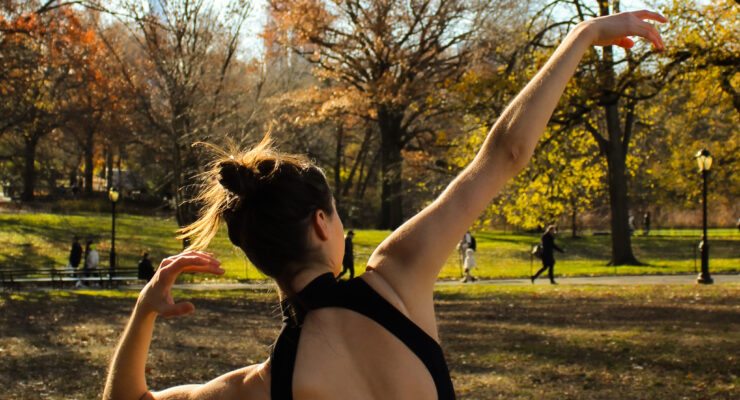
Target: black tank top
358, 296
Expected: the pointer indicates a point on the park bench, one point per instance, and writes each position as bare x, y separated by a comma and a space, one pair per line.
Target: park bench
15, 278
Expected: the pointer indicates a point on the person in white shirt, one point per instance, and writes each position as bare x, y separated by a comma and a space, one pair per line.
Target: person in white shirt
469, 265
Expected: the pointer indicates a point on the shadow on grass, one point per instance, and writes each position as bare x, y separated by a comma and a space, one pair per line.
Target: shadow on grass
670, 342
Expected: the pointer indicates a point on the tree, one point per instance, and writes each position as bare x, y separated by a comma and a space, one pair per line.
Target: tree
603, 97
47, 59
699, 109
183, 80
390, 56
565, 179
706, 37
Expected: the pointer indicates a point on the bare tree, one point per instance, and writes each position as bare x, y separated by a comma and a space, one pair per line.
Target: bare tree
188, 49
392, 55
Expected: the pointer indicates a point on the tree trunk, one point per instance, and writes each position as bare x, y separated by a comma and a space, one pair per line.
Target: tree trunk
573, 219
370, 176
89, 151
616, 156
187, 190
359, 162
109, 168
391, 164
177, 184
29, 173
338, 166
118, 167
618, 198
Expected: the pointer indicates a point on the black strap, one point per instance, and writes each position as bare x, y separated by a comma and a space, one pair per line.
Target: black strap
358, 296
282, 362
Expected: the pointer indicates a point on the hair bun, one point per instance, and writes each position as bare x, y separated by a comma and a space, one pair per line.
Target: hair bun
235, 178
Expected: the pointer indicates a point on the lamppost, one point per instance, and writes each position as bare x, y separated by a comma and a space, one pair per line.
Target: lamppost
113, 197
704, 159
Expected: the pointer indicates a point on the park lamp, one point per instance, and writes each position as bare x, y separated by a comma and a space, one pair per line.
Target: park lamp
113, 194
704, 159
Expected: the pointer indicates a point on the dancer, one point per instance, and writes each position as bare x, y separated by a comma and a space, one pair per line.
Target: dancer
378, 329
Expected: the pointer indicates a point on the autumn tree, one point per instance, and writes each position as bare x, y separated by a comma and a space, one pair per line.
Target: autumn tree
706, 42
707, 38
47, 60
699, 109
186, 51
603, 97
318, 117
390, 56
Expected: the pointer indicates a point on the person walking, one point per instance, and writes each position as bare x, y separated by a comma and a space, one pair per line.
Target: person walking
463, 246
145, 268
646, 223
378, 330
92, 258
75, 253
548, 258
469, 265
348, 260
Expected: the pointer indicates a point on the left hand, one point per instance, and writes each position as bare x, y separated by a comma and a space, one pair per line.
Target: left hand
615, 29
156, 297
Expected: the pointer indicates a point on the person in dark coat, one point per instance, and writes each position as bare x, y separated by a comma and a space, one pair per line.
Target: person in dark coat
146, 270
646, 223
348, 261
75, 254
548, 258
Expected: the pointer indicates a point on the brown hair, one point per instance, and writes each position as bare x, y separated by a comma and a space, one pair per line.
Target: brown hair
267, 199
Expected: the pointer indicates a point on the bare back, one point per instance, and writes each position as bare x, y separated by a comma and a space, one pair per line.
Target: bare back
344, 355
341, 354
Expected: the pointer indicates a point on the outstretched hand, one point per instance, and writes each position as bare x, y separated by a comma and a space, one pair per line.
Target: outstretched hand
615, 29
156, 297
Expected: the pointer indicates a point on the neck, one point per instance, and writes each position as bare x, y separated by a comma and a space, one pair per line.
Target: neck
307, 274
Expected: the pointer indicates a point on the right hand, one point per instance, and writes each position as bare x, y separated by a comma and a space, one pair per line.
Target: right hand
156, 297
615, 29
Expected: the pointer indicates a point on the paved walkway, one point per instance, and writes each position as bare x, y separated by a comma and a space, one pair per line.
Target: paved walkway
613, 280
595, 280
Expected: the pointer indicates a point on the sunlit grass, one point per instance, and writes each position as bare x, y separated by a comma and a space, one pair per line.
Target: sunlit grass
43, 240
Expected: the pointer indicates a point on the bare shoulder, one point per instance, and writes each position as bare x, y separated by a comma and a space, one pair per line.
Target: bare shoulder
413, 302
252, 382
376, 281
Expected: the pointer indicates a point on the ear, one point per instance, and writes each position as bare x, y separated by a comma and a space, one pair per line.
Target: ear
320, 224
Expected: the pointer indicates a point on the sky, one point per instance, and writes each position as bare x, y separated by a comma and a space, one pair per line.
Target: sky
252, 44
257, 19
254, 25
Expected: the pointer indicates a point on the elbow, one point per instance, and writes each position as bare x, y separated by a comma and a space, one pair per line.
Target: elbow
511, 147
515, 153
517, 156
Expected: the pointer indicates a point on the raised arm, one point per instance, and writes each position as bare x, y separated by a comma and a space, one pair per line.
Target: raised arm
410, 259
126, 377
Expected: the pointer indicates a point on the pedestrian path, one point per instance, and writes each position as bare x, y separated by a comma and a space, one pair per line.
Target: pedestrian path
610, 280
585, 280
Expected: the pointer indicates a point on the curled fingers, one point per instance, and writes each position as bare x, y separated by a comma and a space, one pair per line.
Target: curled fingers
648, 30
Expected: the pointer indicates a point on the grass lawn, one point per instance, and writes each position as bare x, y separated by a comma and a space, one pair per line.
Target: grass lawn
43, 240
508, 341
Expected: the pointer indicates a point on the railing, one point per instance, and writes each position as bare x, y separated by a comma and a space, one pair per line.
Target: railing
15, 278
